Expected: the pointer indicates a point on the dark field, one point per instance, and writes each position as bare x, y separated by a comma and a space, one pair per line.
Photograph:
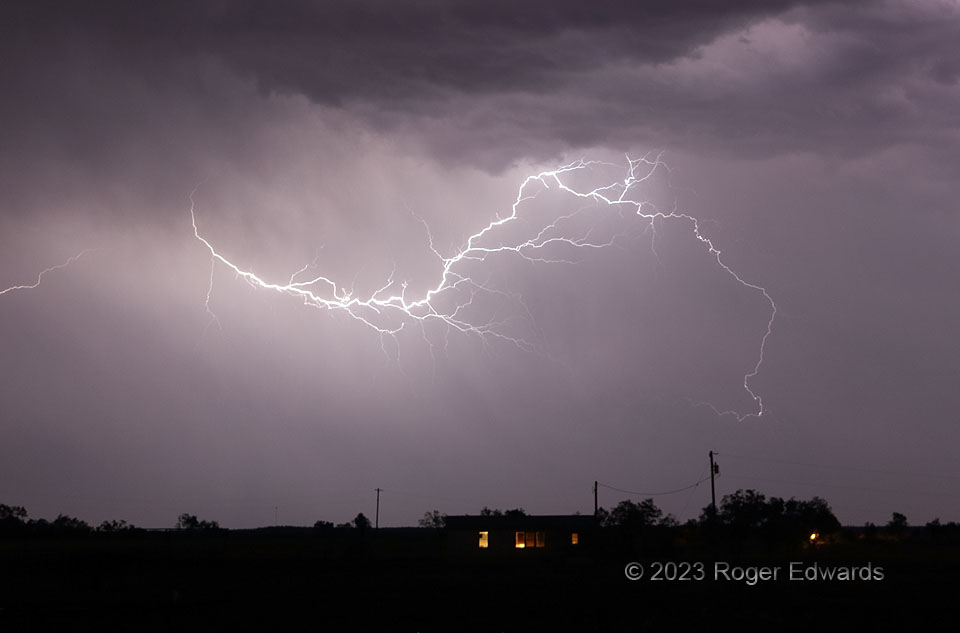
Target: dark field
408, 579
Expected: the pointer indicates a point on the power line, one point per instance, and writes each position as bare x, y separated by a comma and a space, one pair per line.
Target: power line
653, 494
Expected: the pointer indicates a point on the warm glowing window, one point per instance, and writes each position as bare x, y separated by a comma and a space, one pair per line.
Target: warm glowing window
574, 538
484, 540
530, 539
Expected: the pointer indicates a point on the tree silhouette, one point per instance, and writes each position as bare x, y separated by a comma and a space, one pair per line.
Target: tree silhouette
115, 526
361, 522
432, 520
602, 515
744, 509
190, 522
633, 515
16, 513
12, 517
749, 511
814, 514
898, 522
496, 512
64, 522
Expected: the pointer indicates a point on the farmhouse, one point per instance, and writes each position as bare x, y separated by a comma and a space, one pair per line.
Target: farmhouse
518, 535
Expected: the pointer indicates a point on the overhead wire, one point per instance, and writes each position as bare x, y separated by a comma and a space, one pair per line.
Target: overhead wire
653, 494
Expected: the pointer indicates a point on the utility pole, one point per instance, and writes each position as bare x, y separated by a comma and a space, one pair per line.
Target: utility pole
377, 520
596, 508
714, 470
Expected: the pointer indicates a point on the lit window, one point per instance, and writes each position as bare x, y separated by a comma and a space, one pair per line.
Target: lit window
574, 538
484, 540
530, 539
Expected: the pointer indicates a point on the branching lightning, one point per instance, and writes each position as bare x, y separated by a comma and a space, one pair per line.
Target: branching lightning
388, 309
43, 272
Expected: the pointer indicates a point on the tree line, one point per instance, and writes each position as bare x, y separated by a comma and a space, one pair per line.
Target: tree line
741, 511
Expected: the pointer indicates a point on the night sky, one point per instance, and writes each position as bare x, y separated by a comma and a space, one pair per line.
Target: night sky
816, 143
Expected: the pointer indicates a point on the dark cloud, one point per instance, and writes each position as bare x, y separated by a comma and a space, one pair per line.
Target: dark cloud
507, 80
396, 54
332, 51
816, 140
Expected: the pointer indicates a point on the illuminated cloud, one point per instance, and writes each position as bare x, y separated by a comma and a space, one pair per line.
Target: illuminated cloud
815, 142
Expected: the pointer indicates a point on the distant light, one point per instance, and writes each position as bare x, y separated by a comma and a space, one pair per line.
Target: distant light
813, 536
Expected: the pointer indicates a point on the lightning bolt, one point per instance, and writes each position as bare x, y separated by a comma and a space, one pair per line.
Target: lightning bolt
45, 271
388, 309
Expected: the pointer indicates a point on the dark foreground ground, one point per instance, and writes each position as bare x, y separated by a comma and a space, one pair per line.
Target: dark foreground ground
408, 580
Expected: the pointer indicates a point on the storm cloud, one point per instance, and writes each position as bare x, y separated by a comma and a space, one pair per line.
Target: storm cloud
816, 142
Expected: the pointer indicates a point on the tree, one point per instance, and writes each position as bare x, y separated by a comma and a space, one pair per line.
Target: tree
433, 520
190, 522
115, 526
749, 510
12, 517
64, 522
811, 515
793, 518
745, 509
323, 525
361, 522
496, 512
898, 522
12, 513
708, 516
634, 515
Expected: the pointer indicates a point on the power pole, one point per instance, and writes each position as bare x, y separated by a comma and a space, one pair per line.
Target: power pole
377, 520
596, 508
714, 470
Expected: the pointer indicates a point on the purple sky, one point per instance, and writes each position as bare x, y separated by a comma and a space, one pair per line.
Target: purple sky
816, 142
